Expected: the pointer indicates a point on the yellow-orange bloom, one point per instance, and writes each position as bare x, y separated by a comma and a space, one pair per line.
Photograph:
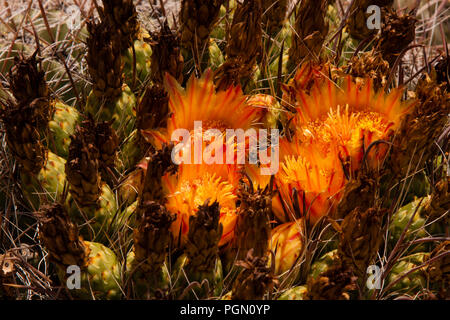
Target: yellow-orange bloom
350, 118
333, 129
200, 102
309, 184
190, 188
197, 182
254, 173
287, 244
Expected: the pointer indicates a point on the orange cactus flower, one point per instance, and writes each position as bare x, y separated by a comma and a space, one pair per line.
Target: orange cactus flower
200, 102
334, 128
196, 181
191, 187
309, 184
350, 118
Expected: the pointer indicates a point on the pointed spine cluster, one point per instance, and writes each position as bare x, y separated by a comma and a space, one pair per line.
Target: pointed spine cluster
244, 45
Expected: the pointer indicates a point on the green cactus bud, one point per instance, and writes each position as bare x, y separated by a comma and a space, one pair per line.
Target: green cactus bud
100, 217
323, 263
412, 282
159, 285
400, 220
215, 280
122, 110
143, 53
131, 151
100, 277
294, 293
215, 55
48, 185
62, 126
97, 265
